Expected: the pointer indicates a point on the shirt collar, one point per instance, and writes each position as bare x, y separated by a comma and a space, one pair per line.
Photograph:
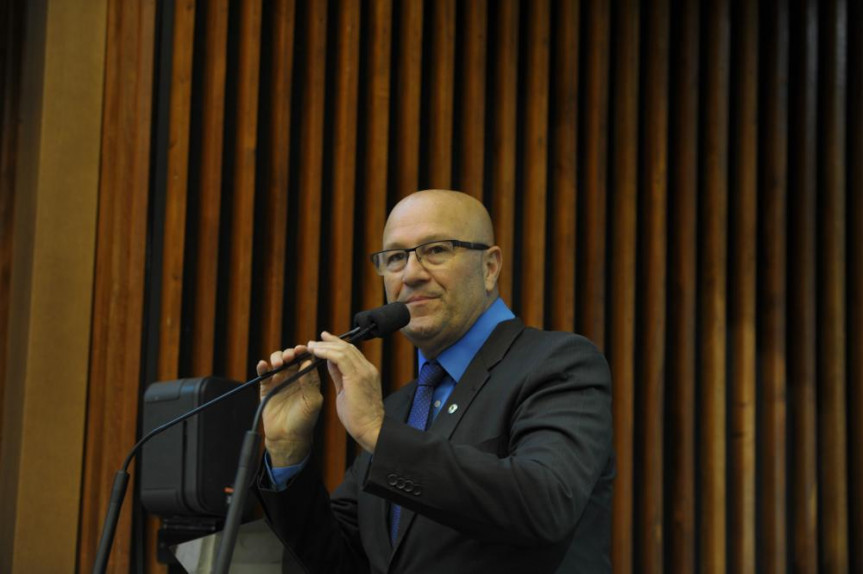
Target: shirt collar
455, 358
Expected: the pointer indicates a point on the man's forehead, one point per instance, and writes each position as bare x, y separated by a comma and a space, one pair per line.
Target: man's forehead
434, 215
404, 237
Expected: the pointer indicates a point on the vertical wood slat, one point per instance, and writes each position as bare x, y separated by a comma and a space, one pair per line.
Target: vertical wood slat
653, 237
831, 305
712, 286
535, 164
377, 142
591, 311
243, 201
376, 161
855, 280
743, 271
624, 217
472, 121
564, 134
504, 145
409, 83
117, 334
342, 214
277, 176
772, 296
683, 234
407, 149
11, 24
802, 335
210, 193
441, 98
176, 190
311, 172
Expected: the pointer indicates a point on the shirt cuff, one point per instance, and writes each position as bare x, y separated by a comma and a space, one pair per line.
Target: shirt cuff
280, 476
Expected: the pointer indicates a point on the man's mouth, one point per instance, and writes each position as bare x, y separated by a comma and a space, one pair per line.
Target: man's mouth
418, 299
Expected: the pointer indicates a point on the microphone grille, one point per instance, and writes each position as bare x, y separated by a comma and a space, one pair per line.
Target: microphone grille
383, 320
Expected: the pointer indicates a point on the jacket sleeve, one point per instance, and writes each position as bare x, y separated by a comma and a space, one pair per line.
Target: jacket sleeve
319, 533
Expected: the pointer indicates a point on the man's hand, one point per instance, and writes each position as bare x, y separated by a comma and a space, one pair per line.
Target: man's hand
359, 400
290, 416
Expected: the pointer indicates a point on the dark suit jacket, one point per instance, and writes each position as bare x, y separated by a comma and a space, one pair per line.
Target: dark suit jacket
514, 475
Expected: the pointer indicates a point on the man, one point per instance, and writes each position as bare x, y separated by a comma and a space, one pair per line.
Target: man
514, 471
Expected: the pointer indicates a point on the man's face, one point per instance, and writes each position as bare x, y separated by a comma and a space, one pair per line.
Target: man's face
444, 301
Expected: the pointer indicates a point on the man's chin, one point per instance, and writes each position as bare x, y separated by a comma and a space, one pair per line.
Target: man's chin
420, 329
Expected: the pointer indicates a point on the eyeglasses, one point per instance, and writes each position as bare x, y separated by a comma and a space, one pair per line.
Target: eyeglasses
433, 253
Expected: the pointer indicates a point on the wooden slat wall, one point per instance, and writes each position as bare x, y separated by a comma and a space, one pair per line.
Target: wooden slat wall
802, 339
12, 18
118, 298
679, 181
743, 274
773, 139
854, 161
683, 266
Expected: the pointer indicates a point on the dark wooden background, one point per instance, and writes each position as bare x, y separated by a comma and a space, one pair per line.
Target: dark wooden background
680, 181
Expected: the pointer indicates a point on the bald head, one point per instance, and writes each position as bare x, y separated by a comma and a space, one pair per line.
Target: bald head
462, 213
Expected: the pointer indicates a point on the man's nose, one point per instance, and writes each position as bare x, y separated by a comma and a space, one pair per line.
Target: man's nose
414, 269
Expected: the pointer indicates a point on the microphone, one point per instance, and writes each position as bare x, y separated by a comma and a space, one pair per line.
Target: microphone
383, 320
370, 324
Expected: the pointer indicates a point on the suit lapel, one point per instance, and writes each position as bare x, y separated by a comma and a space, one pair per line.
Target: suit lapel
473, 380
476, 376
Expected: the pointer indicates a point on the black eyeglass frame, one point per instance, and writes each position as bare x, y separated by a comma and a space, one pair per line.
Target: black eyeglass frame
455, 243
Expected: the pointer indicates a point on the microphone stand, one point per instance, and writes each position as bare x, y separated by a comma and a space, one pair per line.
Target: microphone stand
121, 477
247, 465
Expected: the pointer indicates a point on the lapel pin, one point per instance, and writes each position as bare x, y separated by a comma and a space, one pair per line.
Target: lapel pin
452, 408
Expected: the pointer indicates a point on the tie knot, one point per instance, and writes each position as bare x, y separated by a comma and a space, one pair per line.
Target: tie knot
431, 374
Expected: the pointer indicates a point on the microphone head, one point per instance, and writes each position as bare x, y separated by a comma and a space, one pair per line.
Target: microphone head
383, 320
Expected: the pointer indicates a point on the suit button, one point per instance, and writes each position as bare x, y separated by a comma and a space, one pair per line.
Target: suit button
391, 479
409, 486
417, 490
400, 484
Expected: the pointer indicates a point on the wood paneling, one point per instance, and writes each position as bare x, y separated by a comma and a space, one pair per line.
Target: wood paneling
174, 245
855, 282
503, 184
802, 335
623, 219
831, 326
743, 275
653, 242
712, 281
210, 194
342, 216
406, 145
243, 158
683, 274
472, 121
591, 310
11, 23
533, 212
772, 288
563, 183
118, 298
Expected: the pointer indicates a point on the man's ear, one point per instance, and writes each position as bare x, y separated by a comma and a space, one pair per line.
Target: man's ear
492, 261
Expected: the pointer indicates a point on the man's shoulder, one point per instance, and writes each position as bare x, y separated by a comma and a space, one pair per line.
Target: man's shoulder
551, 340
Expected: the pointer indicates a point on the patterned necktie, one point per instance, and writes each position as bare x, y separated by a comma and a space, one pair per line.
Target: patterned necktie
430, 377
